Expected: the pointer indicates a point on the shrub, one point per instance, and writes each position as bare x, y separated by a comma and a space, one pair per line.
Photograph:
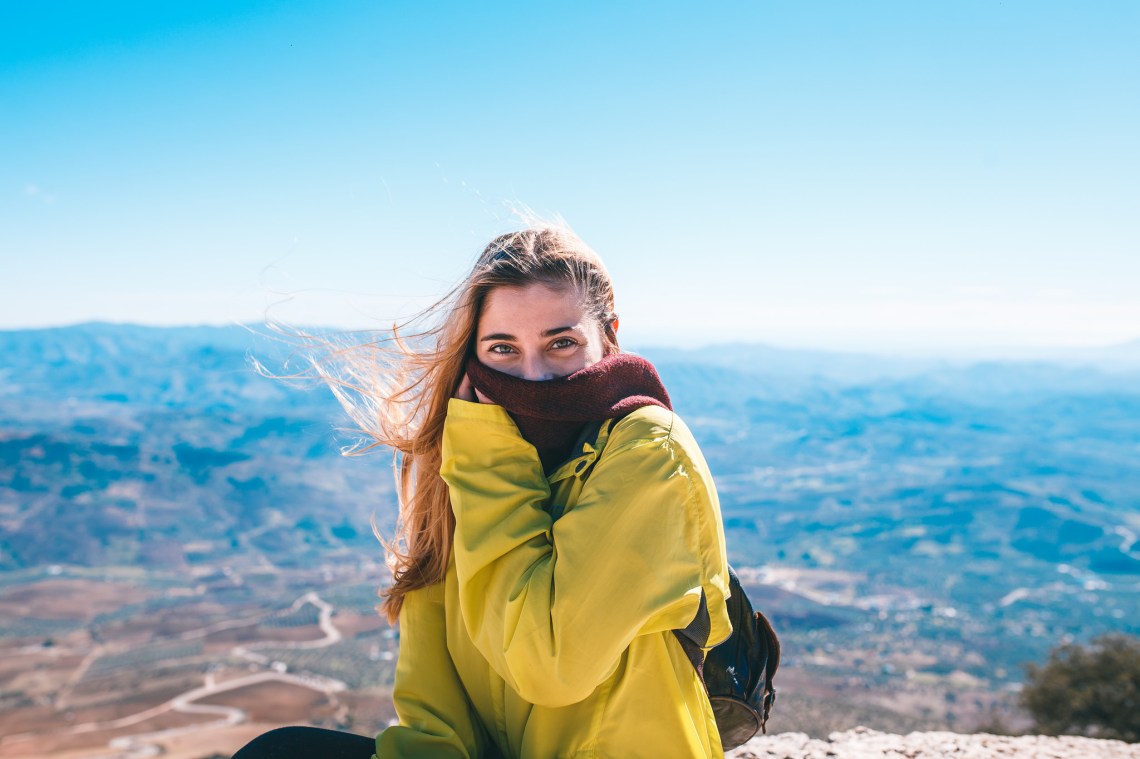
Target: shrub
1089, 690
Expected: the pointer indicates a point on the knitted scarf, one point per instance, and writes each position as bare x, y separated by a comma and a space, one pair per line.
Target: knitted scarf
552, 414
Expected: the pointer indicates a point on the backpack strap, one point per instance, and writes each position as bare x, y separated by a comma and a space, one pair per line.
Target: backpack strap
695, 635
770, 667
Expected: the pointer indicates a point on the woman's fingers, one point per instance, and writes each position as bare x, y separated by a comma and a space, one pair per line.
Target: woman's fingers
465, 391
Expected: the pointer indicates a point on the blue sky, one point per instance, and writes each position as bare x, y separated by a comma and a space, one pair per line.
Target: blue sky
885, 176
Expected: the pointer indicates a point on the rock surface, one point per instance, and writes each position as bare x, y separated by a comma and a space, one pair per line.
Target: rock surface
862, 743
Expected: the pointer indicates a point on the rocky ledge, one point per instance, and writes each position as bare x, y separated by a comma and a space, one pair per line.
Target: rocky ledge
862, 743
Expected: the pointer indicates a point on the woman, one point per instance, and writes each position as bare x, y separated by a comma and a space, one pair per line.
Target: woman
558, 522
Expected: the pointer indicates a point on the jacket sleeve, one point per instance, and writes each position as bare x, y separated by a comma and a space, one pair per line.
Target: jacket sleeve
436, 719
552, 605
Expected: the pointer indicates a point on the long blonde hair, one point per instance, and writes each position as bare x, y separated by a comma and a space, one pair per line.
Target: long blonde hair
396, 388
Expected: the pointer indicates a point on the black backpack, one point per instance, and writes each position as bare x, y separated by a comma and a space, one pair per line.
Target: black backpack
738, 672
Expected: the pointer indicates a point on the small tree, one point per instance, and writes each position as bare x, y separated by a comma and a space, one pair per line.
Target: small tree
1089, 690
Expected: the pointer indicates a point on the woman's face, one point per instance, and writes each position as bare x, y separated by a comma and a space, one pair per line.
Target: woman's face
537, 333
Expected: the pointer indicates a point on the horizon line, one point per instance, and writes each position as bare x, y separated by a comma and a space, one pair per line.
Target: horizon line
643, 341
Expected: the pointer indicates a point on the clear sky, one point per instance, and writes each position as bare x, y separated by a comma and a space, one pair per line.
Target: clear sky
838, 174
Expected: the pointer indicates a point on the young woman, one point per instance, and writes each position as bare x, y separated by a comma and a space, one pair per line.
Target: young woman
557, 523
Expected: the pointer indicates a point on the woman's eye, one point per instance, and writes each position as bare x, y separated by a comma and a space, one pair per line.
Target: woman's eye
501, 348
563, 342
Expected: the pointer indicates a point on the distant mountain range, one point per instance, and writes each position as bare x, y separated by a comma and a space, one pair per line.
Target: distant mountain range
987, 506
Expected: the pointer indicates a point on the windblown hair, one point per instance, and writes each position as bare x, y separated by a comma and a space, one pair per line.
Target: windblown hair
396, 388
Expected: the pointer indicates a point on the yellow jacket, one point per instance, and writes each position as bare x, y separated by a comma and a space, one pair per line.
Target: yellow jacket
550, 635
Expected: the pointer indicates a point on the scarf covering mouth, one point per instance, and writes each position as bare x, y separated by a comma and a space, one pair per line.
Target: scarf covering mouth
552, 414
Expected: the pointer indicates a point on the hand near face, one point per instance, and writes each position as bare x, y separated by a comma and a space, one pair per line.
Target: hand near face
467, 392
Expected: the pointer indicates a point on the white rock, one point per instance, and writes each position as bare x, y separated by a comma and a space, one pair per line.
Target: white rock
863, 743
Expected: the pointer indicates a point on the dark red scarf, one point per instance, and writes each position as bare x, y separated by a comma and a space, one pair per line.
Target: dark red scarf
552, 414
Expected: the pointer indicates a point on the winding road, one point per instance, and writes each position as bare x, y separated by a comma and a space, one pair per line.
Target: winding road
146, 744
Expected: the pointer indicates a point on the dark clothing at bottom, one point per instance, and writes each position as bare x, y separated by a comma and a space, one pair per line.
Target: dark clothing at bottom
307, 743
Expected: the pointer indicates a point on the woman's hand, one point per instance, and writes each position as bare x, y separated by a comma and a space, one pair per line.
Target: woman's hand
467, 392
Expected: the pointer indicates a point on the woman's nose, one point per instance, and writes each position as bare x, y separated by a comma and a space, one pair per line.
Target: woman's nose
534, 368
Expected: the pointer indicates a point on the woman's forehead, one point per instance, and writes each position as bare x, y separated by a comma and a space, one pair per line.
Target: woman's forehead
536, 308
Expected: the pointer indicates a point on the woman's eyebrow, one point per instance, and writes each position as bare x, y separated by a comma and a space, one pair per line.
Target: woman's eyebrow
505, 336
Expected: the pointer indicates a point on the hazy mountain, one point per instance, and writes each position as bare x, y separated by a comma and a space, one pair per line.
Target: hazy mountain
990, 507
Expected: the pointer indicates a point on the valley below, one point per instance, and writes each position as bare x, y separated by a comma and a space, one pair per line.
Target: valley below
187, 560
